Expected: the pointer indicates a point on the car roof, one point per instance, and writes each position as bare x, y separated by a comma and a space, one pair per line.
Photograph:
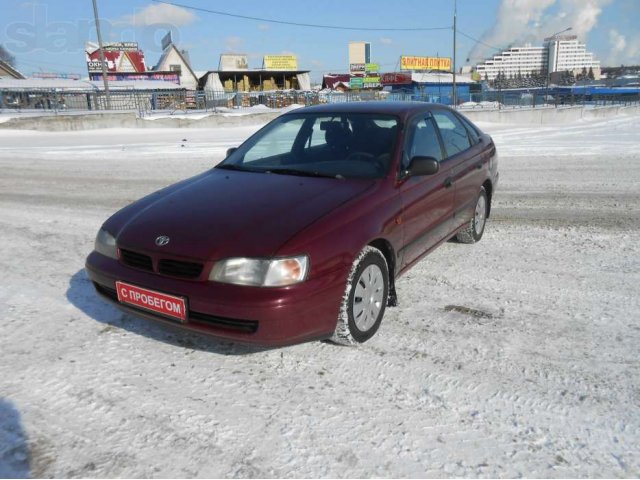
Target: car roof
403, 110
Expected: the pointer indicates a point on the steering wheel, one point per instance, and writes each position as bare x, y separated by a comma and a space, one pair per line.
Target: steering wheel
367, 157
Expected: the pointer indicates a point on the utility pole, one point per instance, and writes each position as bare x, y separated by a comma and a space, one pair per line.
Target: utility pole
102, 59
455, 15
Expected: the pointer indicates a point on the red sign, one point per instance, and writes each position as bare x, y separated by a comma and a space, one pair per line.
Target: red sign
395, 79
168, 305
118, 57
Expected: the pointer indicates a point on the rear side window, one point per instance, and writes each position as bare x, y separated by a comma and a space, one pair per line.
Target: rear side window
454, 135
473, 133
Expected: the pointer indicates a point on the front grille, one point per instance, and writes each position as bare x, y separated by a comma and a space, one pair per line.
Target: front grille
248, 326
136, 260
176, 268
106, 291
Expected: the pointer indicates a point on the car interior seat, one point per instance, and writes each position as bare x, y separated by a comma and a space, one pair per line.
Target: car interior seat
338, 137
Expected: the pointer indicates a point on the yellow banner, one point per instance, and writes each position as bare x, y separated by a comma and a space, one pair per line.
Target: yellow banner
280, 62
425, 63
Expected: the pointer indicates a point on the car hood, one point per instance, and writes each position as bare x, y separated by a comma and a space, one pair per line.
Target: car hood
223, 213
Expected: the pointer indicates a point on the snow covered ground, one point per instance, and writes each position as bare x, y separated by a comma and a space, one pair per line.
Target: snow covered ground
518, 356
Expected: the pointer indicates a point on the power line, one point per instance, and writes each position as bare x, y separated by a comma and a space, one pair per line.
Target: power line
479, 41
297, 24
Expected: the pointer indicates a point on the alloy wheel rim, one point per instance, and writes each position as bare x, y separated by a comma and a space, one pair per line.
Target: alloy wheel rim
367, 299
480, 215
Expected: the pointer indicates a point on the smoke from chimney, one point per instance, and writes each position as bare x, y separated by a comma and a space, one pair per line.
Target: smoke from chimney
530, 21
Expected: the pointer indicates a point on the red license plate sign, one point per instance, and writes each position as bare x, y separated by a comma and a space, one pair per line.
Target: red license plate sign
167, 305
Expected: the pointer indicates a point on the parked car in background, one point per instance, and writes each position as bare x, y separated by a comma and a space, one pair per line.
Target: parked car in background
302, 231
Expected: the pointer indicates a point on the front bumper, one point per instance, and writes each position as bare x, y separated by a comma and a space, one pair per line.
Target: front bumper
255, 315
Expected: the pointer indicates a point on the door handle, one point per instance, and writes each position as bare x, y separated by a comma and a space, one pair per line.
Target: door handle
448, 182
479, 166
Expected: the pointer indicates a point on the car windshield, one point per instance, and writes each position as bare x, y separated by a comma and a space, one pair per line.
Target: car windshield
344, 145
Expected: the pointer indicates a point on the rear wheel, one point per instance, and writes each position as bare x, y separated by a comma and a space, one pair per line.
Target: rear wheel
364, 300
472, 233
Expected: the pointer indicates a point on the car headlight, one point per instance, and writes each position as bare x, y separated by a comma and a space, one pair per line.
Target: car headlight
106, 244
261, 272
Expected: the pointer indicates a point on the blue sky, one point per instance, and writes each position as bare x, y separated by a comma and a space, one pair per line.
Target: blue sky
49, 35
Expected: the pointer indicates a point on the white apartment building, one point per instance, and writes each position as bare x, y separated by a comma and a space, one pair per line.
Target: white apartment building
558, 54
514, 61
566, 53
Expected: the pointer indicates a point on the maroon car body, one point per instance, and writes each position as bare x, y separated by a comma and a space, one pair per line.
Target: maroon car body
227, 213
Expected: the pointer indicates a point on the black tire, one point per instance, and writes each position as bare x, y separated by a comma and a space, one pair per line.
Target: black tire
472, 233
360, 317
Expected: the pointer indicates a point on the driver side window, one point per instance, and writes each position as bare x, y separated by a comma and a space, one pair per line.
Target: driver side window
424, 143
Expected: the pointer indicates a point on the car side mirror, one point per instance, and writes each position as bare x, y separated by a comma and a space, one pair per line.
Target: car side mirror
420, 166
231, 150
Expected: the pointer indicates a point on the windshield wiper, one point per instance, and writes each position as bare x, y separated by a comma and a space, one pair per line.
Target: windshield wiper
303, 173
238, 168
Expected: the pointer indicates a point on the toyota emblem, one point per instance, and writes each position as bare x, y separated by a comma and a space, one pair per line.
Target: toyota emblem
162, 240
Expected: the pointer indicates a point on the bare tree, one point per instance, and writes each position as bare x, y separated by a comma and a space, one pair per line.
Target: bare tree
5, 56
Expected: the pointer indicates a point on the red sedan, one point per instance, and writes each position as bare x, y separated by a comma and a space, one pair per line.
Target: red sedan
301, 232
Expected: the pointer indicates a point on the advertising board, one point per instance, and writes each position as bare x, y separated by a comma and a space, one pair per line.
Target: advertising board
371, 67
356, 83
49, 75
371, 81
395, 78
280, 62
119, 57
232, 62
425, 63
116, 77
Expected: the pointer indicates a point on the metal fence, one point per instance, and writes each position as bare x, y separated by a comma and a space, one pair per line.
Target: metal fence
551, 97
69, 100
147, 101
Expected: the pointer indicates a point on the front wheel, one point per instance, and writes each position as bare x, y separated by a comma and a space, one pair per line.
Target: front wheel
472, 233
365, 298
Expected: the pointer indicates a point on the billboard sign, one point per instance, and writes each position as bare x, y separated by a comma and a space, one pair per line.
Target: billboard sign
280, 62
119, 57
166, 40
233, 62
425, 63
369, 81
68, 76
356, 83
372, 81
122, 46
561, 38
172, 77
357, 67
395, 78
371, 67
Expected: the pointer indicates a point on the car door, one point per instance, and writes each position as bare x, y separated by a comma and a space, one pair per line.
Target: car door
427, 201
464, 154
